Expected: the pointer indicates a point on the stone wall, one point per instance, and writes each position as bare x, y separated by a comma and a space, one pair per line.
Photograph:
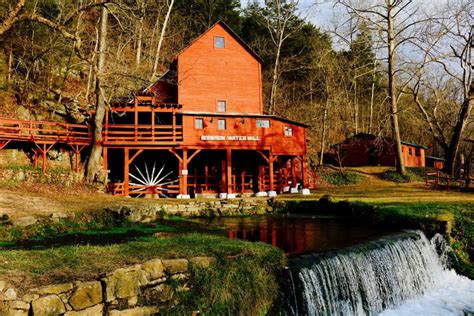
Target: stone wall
142, 289
150, 212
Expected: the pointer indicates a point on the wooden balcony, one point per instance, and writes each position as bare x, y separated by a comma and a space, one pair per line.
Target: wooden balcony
130, 134
44, 132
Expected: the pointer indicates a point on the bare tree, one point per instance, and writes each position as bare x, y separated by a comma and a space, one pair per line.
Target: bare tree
160, 41
394, 21
443, 81
93, 165
281, 20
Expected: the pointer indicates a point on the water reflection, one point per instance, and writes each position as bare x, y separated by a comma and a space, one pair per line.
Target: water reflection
297, 234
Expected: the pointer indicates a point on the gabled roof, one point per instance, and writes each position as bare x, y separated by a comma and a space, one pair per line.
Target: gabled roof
233, 34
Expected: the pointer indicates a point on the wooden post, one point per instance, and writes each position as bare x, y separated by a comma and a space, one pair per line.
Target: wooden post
293, 172
35, 159
223, 176
185, 171
43, 153
270, 170
76, 161
125, 172
136, 118
106, 159
174, 124
229, 171
152, 124
303, 172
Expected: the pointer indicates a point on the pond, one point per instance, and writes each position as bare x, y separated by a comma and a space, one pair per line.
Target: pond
300, 234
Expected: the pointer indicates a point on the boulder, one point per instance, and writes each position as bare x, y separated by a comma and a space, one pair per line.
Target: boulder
124, 283
56, 217
86, 294
202, 262
154, 268
173, 266
48, 305
25, 221
29, 297
9, 295
19, 305
91, 311
4, 219
137, 311
159, 293
53, 289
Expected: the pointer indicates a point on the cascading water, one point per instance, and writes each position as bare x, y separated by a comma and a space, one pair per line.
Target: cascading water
403, 275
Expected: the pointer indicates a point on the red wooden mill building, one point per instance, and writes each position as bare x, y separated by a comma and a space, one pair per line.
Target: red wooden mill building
202, 125
198, 130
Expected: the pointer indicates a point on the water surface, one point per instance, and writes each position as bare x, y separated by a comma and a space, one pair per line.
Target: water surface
300, 234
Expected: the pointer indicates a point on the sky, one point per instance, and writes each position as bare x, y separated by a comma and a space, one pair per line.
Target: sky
318, 12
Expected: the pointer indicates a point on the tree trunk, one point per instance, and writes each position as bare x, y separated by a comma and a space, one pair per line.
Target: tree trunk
138, 56
323, 134
392, 94
10, 64
457, 133
94, 165
273, 90
160, 42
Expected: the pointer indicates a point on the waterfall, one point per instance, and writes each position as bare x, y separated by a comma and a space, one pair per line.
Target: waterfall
381, 277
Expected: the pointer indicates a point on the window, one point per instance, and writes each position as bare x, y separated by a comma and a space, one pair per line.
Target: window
221, 124
263, 123
410, 152
418, 152
221, 106
219, 42
199, 123
288, 131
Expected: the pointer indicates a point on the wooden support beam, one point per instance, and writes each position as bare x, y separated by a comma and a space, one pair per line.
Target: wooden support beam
105, 154
270, 170
176, 155
4, 143
184, 172
126, 180
194, 155
229, 171
135, 156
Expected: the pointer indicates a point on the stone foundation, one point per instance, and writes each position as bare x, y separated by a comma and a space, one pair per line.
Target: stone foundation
142, 289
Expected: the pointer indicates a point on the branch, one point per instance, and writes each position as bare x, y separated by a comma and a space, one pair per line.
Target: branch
12, 17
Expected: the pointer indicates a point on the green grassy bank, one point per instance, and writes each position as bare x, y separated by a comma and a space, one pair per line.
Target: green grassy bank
244, 272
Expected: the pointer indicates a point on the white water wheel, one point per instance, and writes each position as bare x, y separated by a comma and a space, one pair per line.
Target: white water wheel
153, 179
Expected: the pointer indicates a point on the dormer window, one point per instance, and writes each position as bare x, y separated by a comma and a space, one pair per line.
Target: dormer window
221, 106
219, 42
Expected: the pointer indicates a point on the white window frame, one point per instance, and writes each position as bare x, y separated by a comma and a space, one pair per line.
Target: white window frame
219, 127
219, 102
288, 131
196, 120
259, 123
216, 38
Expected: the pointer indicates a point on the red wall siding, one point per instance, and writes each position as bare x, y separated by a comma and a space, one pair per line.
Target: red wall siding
268, 137
207, 74
413, 160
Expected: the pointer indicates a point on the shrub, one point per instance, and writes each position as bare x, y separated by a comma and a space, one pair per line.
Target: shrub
342, 178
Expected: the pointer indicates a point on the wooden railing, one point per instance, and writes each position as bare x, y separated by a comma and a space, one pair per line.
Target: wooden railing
44, 131
135, 134
441, 180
